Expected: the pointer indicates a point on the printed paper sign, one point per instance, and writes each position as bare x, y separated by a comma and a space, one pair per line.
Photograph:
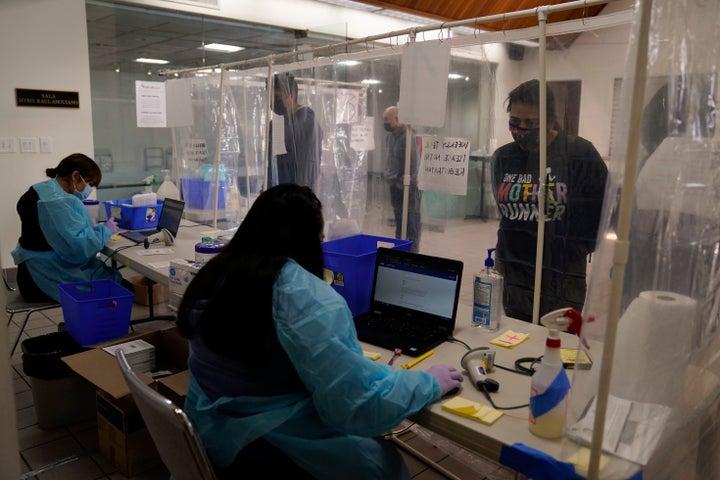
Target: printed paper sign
443, 164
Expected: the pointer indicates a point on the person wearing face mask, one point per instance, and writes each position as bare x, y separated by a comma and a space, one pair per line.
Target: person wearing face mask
303, 137
394, 173
574, 180
58, 242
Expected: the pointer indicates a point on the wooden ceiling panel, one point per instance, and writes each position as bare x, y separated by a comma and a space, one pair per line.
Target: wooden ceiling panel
451, 10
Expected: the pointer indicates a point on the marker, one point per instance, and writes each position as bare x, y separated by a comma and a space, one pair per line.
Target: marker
418, 359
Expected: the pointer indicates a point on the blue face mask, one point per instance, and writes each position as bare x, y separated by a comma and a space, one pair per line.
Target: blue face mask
85, 191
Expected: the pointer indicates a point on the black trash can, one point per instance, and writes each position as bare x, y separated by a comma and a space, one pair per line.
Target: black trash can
61, 396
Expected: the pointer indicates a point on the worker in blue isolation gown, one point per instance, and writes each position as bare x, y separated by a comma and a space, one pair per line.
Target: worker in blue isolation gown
58, 241
278, 378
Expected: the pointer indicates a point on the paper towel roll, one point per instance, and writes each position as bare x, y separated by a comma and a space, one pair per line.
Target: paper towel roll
652, 347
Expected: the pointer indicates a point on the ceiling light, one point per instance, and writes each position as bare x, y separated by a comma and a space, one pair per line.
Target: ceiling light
117, 69
221, 47
370, 81
454, 76
526, 43
349, 63
151, 60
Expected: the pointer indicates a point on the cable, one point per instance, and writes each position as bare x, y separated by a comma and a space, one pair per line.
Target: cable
485, 392
455, 340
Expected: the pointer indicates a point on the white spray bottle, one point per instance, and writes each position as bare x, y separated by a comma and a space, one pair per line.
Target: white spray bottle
550, 385
487, 296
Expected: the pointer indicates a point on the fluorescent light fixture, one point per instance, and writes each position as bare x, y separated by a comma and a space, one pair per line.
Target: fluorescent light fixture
221, 47
349, 63
526, 43
370, 81
152, 60
455, 76
351, 4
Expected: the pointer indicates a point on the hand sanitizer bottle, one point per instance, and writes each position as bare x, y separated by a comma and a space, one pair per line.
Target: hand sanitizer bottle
487, 296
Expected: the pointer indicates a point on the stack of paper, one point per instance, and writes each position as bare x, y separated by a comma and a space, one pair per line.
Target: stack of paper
139, 354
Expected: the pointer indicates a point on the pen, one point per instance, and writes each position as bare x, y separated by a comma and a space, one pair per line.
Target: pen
418, 359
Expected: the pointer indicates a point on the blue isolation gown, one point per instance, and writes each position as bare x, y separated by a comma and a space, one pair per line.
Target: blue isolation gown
328, 430
75, 242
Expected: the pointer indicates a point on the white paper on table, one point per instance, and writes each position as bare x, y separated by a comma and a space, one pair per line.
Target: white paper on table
632, 429
155, 251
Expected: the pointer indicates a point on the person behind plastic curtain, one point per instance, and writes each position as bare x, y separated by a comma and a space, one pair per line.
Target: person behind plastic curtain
278, 378
394, 173
303, 137
575, 176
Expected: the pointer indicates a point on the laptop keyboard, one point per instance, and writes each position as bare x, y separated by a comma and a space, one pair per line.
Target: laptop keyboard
408, 329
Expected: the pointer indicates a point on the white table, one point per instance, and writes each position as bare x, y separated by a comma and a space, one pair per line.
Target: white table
512, 427
489, 441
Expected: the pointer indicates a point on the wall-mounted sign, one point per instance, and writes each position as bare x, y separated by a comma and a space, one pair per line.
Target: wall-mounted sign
25, 97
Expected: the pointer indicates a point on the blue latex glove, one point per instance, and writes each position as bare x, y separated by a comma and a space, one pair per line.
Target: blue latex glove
111, 225
448, 377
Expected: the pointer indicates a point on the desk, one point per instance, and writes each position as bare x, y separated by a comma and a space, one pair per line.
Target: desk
128, 253
512, 427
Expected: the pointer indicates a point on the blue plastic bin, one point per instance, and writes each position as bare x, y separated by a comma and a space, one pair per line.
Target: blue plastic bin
96, 311
352, 263
133, 217
197, 193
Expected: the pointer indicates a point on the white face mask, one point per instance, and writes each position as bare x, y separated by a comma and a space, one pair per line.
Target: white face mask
85, 193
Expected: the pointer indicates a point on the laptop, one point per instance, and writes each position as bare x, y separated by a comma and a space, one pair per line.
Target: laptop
169, 219
413, 302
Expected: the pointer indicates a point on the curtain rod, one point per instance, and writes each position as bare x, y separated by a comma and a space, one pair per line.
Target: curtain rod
412, 31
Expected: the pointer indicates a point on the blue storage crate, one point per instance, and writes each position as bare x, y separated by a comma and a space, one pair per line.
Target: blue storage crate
96, 311
133, 217
352, 263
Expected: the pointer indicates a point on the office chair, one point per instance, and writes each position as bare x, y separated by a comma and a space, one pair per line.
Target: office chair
174, 436
15, 303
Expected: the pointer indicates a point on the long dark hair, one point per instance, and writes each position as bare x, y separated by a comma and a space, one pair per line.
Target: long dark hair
229, 302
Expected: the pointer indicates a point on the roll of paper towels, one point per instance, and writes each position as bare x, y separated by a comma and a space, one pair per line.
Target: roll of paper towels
652, 347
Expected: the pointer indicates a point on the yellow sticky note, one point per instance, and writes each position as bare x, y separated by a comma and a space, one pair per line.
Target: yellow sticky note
509, 339
372, 355
472, 410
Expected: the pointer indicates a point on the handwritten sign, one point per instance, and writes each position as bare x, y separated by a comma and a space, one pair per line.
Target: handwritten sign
362, 136
443, 164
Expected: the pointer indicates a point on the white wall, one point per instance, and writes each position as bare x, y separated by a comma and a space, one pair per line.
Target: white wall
44, 47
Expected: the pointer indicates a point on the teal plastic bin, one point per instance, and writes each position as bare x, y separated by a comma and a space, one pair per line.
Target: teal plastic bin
352, 263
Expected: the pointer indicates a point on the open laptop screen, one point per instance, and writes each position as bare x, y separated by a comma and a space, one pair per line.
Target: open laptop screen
171, 215
416, 287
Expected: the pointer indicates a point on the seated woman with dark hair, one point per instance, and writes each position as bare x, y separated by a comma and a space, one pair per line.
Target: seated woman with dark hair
59, 242
278, 378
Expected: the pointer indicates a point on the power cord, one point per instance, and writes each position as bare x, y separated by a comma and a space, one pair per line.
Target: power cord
520, 367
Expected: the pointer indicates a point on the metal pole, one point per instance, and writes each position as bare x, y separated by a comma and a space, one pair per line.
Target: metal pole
623, 233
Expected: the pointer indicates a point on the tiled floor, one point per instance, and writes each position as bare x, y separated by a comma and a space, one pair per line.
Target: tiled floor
72, 452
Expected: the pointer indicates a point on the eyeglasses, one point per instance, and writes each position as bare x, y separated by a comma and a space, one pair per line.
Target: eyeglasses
84, 181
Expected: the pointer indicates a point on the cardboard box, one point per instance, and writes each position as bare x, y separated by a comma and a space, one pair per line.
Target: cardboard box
182, 273
160, 291
123, 438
